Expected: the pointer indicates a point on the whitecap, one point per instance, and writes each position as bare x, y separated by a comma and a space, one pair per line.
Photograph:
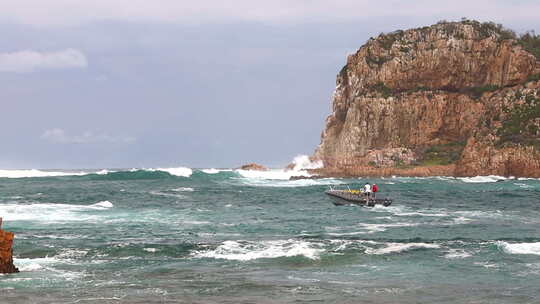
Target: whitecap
37, 264
520, 248
47, 212
421, 214
372, 228
103, 204
400, 247
273, 174
457, 254
196, 222
183, 189
280, 178
157, 193
483, 179
150, 249
524, 186
104, 172
245, 250
210, 171
178, 171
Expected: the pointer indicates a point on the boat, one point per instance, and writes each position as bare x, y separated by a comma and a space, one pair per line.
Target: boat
357, 197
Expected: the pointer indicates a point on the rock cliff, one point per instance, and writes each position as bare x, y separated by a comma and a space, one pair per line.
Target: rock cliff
6, 251
455, 98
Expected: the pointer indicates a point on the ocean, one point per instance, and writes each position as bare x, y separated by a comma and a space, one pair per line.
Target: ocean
181, 235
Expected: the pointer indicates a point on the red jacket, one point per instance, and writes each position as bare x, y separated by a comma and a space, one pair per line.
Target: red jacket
375, 188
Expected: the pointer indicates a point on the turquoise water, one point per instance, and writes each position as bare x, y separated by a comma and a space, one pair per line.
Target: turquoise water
158, 236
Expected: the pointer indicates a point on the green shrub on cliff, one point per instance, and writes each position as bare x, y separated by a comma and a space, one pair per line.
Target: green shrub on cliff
443, 154
531, 43
534, 77
477, 92
383, 89
387, 40
521, 124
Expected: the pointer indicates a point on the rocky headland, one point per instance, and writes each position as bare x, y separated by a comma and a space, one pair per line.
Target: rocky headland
453, 99
6, 251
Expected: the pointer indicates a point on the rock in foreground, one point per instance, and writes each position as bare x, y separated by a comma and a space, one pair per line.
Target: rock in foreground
6, 251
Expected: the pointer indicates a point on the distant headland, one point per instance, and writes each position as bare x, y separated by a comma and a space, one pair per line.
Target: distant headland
454, 99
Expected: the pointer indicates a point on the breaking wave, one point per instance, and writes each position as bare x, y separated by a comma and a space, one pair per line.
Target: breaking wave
483, 179
179, 171
102, 173
519, 248
245, 250
36, 173
49, 212
399, 247
302, 162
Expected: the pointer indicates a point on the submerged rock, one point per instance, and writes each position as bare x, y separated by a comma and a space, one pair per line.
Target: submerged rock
455, 98
254, 167
6, 251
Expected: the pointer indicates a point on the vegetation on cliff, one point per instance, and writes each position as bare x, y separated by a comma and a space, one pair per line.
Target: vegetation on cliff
442, 154
522, 123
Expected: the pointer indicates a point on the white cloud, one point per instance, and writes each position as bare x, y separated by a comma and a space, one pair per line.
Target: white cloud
64, 12
29, 61
60, 136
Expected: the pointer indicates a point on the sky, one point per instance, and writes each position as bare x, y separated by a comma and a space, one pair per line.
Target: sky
167, 83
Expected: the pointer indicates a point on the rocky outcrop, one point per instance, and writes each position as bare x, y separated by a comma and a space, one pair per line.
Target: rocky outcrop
6, 251
253, 166
440, 100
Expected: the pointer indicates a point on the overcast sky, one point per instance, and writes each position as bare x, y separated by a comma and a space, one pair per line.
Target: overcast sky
132, 83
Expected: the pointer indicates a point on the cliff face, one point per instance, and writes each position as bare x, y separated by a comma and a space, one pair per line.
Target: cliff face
6, 252
443, 96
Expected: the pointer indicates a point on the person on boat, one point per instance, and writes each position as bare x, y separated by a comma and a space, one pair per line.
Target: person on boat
375, 189
367, 190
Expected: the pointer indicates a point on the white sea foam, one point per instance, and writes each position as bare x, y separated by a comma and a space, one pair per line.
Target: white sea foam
421, 214
103, 205
36, 264
285, 182
104, 172
274, 174
183, 189
524, 186
211, 171
400, 247
245, 250
302, 162
157, 193
196, 222
457, 254
372, 228
36, 173
520, 248
483, 179
47, 212
150, 249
